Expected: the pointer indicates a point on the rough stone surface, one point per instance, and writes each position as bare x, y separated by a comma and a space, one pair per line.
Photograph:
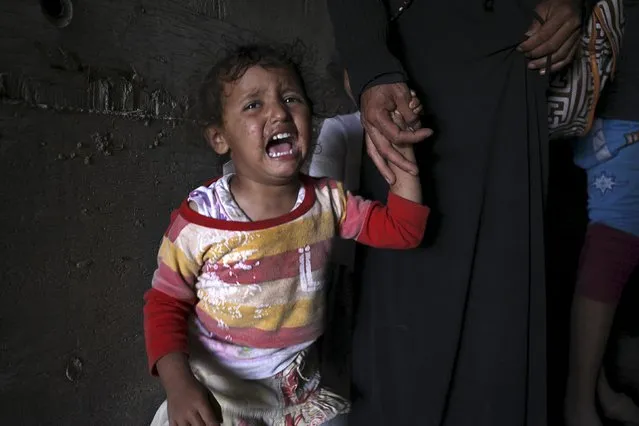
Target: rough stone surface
146, 58
96, 148
78, 248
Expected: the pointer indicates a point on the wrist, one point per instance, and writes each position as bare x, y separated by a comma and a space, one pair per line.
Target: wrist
382, 79
406, 150
175, 373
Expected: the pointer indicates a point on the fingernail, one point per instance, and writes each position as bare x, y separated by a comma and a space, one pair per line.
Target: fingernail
542, 71
519, 49
529, 34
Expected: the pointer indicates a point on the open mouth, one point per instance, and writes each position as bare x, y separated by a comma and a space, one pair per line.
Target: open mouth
280, 145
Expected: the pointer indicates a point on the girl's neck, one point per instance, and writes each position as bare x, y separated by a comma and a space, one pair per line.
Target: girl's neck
261, 201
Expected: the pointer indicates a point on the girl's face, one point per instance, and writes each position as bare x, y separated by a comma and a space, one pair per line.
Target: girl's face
266, 125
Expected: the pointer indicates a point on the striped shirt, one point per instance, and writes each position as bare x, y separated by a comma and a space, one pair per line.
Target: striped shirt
257, 288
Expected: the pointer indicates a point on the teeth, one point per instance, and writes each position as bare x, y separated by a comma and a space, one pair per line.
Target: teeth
281, 136
280, 154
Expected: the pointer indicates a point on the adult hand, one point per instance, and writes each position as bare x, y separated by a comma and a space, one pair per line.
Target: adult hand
378, 104
558, 37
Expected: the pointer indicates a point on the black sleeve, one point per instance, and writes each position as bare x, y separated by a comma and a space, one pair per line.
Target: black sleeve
361, 31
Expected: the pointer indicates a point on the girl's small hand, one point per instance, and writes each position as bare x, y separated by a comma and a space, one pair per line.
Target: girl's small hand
189, 404
416, 106
377, 106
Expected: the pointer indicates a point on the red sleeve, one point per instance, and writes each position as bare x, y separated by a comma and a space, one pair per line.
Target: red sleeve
165, 325
398, 225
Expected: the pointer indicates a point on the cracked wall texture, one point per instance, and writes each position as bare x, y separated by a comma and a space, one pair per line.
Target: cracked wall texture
96, 149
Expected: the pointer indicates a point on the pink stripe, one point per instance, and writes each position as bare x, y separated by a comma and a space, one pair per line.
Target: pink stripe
177, 225
256, 338
173, 284
278, 267
357, 210
326, 183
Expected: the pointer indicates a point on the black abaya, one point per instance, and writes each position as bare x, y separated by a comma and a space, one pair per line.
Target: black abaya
453, 334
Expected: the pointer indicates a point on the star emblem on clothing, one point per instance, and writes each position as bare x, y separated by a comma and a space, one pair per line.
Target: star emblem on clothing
604, 182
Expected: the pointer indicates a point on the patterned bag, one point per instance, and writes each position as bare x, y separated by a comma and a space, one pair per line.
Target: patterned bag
575, 91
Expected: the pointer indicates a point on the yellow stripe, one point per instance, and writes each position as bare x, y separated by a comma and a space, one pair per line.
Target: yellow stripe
280, 291
299, 314
176, 259
254, 245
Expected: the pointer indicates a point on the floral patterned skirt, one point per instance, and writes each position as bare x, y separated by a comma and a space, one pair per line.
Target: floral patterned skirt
293, 397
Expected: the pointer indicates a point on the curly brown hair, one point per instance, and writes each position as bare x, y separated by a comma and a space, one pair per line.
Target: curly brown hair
231, 68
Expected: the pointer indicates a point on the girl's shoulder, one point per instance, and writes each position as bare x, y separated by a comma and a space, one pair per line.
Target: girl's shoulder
207, 199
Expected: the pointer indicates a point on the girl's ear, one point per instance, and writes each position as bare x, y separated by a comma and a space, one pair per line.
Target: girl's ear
215, 138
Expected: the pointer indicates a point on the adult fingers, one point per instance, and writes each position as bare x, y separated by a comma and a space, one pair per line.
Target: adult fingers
398, 120
564, 34
544, 41
562, 18
414, 100
379, 161
567, 49
559, 65
383, 124
403, 106
564, 54
388, 152
381, 120
530, 44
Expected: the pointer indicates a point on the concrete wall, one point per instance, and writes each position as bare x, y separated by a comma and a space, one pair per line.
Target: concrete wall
96, 148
